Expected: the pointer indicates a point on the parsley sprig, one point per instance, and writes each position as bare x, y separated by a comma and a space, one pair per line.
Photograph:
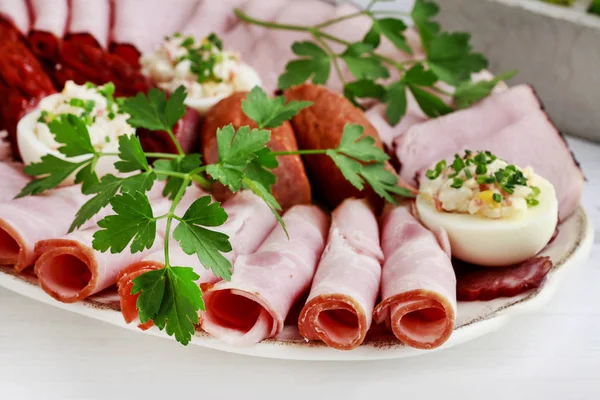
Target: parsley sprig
449, 58
170, 297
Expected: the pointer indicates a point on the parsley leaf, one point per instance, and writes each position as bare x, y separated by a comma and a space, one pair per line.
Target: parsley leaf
131, 154
105, 190
54, 171
362, 64
363, 89
421, 15
87, 177
391, 28
270, 113
259, 169
154, 111
184, 165
416, 79
395, 99
258, 189
134, 222
355, 145
194, 238
384, 182
469, 93
70, 131
315, 65
451, 58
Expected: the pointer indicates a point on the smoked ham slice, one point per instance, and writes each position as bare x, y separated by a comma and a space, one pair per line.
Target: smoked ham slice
418, 285
211, 17
249, 222
69, 269
49, 25
89, 22
340, 305
17, 13
141, 25
254, 304
26, 221
12, 179
292, 186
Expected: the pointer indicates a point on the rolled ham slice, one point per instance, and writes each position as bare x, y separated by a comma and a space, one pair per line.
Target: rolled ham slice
212, 17
418, 285
248, 224
141, 25
49, 25
340, 305
17, 13
12, 179
26, 221
70, 269
254, 304
89, 23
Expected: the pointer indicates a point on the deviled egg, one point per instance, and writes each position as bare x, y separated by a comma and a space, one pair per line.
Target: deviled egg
98, 109
495, 214
207, 71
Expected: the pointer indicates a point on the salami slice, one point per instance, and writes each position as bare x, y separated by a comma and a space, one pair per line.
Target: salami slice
340, 306
50, 20
254, 304
480, 283
418, 286
15, 12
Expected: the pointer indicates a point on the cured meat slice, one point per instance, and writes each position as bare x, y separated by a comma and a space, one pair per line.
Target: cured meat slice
292, 186
186, 132
254, 304
249, 222
49, 25
17, 13
141, 25
212, 17
23, 81
452, 131
26, 221
340, 305
89, 23
480, 283
12, 179
418, 285
321, 127
70, 269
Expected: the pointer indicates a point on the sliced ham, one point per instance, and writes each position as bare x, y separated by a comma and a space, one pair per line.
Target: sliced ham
141, 25
212, 17
50, 19
89, 23
28, 220
249, 222
418, 285
254, 304
17, 13
340, 305
12, 179
69, 269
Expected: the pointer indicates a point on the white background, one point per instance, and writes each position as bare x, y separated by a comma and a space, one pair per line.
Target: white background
47, 353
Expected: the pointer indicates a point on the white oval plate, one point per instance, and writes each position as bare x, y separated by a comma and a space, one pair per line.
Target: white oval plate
570, 248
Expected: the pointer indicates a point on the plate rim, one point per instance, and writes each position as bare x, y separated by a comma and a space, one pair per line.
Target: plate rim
309, 351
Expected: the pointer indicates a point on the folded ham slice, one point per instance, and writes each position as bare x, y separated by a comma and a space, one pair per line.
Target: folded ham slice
141, 25
418, 286
12, 179
340, 305
49, 25
70, 269
212, 17
17, 13
264, 286
89, 22
249, 222
26, 221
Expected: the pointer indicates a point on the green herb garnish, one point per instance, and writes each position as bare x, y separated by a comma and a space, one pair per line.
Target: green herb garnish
497, 197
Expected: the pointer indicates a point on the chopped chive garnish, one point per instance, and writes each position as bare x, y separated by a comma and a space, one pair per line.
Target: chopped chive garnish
532, 202
481, 169
497, 197
457, 183
435, 173
468, 174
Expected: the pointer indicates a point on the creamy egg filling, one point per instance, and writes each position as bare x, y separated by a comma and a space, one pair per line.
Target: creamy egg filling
205, 69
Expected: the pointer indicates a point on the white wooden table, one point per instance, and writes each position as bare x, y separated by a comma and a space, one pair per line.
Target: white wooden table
47, 353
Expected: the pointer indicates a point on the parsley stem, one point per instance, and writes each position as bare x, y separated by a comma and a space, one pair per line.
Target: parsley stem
336, 64
162, 155
298, 152
391, 12
172, 216
176, 142
172, 173
340, 19
441, 91
289, 27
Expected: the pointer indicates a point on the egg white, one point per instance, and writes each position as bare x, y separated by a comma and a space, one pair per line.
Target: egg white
497, 242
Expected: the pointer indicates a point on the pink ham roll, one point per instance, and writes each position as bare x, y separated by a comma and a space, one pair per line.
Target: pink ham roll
89, 23
141, 25
13, 180
49, 25
212, 17
255, 303
16, 12
418, 285
26, 221
340, 306
248, 224
70, 269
